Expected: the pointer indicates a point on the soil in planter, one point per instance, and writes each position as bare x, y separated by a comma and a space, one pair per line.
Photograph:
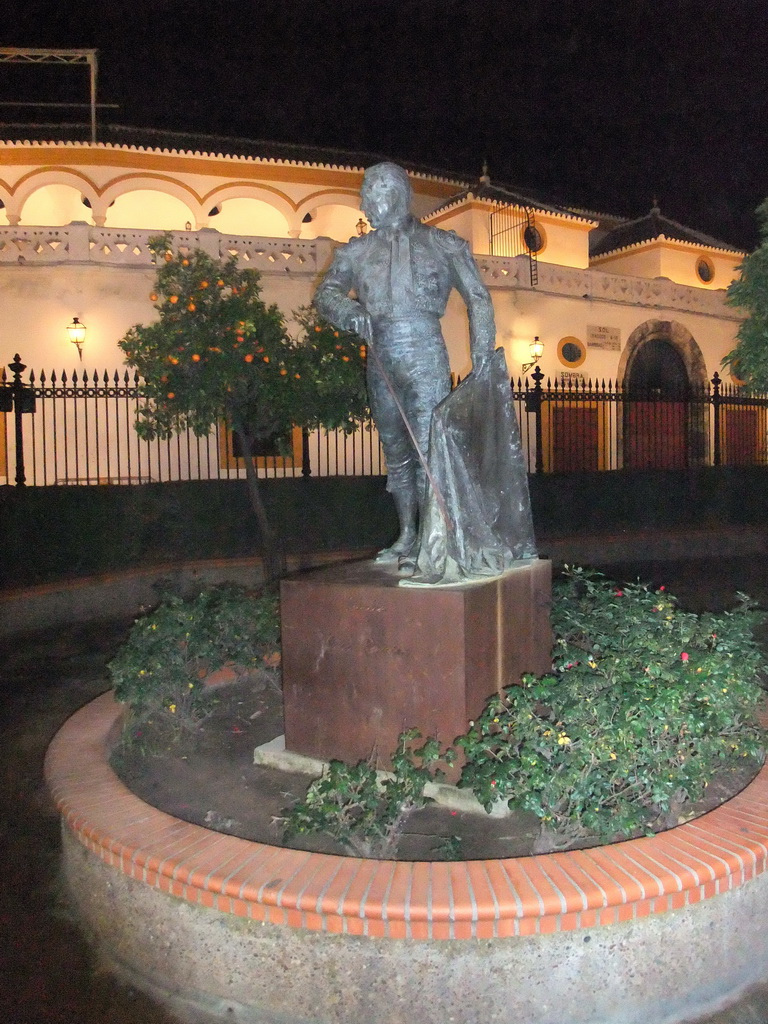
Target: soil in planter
211, 780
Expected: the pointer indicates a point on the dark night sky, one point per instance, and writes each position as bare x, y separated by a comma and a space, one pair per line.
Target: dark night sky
602, 105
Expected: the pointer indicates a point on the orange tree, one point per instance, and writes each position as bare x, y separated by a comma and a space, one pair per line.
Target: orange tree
218, 353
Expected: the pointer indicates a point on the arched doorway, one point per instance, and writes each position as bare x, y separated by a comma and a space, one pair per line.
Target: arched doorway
660, 418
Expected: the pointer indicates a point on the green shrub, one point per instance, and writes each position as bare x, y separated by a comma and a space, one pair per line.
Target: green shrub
363, 809
645, 704
159, 672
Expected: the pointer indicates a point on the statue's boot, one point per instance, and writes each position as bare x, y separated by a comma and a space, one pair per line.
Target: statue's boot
406, 544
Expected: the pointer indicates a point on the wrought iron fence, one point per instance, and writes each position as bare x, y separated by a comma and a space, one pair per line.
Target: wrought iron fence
584, 426
79, 429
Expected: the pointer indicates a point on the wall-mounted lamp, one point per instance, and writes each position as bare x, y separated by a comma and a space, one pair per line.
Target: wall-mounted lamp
76, 332
537, 351
361, 227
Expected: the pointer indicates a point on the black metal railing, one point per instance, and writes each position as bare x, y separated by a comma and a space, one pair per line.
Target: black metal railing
79, 429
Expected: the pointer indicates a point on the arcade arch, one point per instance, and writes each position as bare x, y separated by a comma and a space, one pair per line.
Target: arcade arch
55, 204
148, 208
248, 216
333, 220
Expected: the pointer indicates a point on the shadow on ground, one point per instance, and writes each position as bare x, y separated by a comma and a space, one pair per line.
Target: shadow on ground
47, 971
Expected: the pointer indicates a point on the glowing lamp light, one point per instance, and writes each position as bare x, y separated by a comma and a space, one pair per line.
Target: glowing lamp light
536, 349
76, 332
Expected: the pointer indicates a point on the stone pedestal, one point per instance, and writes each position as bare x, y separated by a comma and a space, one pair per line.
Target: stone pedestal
364, 658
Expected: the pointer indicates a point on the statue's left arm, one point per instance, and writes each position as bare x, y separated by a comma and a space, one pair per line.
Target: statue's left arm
468, 283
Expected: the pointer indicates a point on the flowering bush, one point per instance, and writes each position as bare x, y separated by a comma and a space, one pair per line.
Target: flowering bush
645, 704
159, 672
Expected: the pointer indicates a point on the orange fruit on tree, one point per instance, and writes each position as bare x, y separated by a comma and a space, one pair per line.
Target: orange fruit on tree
195, 357
173, 299
248, 358
283, 372
171, 394
168, 257
220, 283
185, 263
153, 297
191, 307
203, 284
266, 359
345, 359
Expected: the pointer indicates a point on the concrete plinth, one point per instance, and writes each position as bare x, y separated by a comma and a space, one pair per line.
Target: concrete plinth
365, 658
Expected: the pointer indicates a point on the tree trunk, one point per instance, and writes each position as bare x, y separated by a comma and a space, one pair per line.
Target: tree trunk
271, 549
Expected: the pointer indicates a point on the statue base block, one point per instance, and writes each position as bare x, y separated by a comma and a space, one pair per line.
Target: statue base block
365, 659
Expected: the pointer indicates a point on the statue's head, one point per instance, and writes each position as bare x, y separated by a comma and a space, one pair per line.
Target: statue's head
385, 197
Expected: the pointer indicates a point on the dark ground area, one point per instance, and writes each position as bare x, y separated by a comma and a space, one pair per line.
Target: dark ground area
47, 971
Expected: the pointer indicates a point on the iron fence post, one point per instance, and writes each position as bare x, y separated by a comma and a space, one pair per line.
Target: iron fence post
306, 468
17, 388
537, 396
716, 400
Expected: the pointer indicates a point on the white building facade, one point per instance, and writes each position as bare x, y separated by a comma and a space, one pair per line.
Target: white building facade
76, 219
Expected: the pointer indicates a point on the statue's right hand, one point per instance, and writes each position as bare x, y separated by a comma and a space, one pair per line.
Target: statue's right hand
360, 323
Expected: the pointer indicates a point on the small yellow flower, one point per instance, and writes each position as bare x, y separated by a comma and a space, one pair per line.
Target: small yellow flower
613, 756
563, 740
495, 719
172, 708
592, 664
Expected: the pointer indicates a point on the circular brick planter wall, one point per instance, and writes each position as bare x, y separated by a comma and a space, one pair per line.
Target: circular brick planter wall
218, 928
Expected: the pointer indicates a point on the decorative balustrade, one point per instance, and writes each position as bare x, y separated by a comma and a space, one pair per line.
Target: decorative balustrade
83, 243
597, 285
124, 247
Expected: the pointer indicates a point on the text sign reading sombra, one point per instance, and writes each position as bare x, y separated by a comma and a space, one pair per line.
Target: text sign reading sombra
599, 336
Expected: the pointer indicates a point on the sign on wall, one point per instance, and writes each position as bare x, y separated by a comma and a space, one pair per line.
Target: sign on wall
608, 338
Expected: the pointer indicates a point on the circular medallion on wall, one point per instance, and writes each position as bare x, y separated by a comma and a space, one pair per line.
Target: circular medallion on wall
705, 269
571, 352
534, 239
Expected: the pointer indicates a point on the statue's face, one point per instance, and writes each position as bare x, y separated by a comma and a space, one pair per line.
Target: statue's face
384, 201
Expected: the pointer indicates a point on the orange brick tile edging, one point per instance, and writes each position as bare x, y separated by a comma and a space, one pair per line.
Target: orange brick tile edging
443, 900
